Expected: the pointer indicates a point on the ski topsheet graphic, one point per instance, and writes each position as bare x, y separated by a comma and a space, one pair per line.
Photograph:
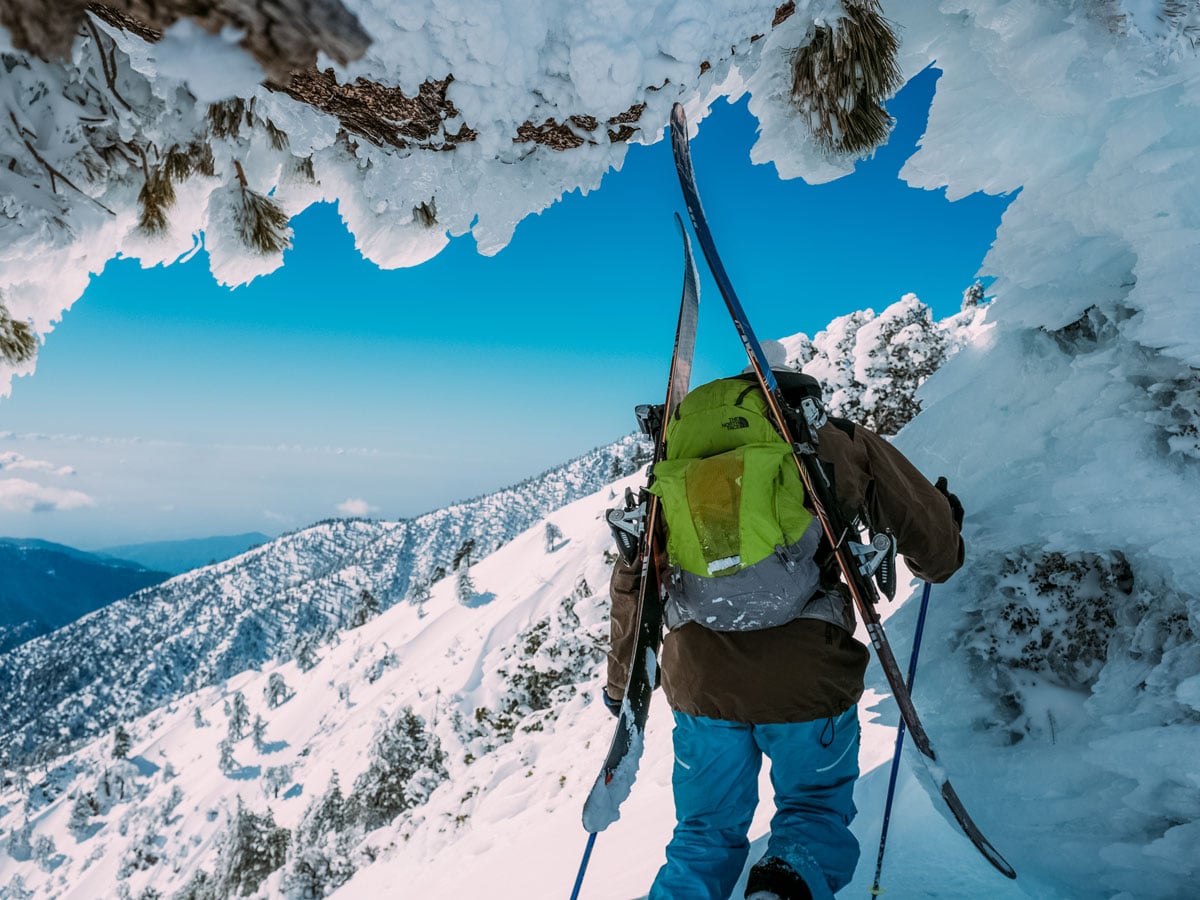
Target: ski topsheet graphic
816, 486
617, 775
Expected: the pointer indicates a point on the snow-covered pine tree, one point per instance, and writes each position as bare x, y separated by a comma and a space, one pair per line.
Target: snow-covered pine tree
972, 296
122, 742
250, 848
239, 716
83, 807
258, 733
894, 353
276, 692
552, 536
465, 584
366, 607
405, 764
318, 857
418, 594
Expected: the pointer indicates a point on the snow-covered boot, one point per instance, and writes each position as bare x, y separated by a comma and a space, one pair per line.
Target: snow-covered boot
773, 879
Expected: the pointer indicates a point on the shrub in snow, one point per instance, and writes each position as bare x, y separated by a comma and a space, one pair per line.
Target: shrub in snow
1178, 412
1054, 613
20, 843
538, 672
142, 852
894, 354
405, 764
1083, 622
275, 778
46, 854
16, 890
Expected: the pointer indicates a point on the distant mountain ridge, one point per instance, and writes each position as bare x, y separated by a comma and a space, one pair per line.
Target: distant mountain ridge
177, 557
44, 586
275, 602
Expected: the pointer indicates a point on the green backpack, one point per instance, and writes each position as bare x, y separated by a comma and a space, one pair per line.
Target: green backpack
739, 538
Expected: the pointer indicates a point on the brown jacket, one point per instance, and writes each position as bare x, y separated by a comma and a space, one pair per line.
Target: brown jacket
806, 669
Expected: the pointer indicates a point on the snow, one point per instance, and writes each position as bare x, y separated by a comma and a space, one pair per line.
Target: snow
1060, 676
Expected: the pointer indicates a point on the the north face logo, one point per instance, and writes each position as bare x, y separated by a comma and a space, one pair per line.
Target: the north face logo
735, 423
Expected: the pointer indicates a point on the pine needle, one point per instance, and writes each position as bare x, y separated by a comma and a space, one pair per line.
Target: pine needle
426, 213
841, 77
18, 344
262, 224
225, 118
155, 198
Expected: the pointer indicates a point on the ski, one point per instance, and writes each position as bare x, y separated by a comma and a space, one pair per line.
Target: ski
816, 486
617, 775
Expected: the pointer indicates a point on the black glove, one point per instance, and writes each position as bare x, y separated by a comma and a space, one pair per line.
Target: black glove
613, 706
956, 507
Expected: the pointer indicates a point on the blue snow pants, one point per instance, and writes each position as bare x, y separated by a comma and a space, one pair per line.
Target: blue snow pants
813, 769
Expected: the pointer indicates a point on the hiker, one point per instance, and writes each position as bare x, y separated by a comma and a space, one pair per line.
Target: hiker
777, 671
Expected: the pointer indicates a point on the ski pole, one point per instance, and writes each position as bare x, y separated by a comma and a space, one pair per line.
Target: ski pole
876, 890
587, 854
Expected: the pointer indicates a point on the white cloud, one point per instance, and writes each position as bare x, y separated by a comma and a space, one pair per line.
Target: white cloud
19, 495
12, 460
356, 507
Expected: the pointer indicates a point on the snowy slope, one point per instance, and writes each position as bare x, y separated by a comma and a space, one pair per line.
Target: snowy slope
1062, 673
274, 601
505, 821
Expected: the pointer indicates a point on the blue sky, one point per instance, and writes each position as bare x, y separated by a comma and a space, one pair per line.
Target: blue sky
173, 398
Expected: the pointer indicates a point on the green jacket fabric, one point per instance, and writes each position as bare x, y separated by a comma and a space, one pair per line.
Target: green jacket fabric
806, 669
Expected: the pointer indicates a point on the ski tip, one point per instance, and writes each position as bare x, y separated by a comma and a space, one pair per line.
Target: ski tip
678, 117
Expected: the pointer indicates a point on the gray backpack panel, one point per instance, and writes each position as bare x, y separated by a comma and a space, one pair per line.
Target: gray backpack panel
772, 592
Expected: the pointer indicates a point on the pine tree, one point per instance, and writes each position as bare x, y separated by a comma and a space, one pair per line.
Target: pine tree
465, 586
251, 848
972, 296
418, 594
122, 743
318, 857
365, 609
552, 536
257, 732
239, 716
306, 652
405, 764
82, 810
276, 691
227, 763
